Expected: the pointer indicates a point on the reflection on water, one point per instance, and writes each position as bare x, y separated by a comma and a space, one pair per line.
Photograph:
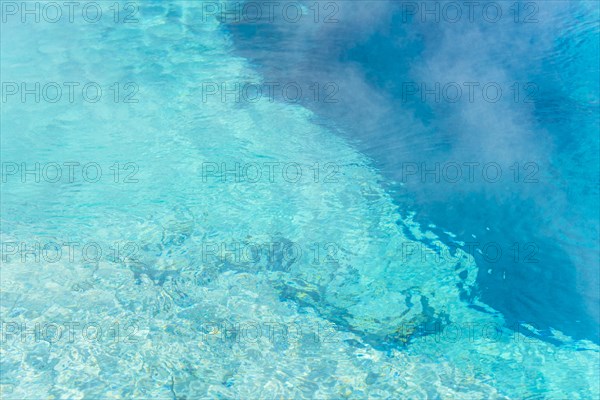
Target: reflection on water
154, 264
534, 227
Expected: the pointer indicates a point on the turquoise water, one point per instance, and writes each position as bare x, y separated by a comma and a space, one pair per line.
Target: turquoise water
157, 277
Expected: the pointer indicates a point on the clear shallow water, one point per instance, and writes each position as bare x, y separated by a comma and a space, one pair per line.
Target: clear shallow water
371, 320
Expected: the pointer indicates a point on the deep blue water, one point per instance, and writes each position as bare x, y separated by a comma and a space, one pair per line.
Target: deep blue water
545, 219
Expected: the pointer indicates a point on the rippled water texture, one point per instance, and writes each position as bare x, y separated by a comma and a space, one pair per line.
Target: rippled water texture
364, 317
